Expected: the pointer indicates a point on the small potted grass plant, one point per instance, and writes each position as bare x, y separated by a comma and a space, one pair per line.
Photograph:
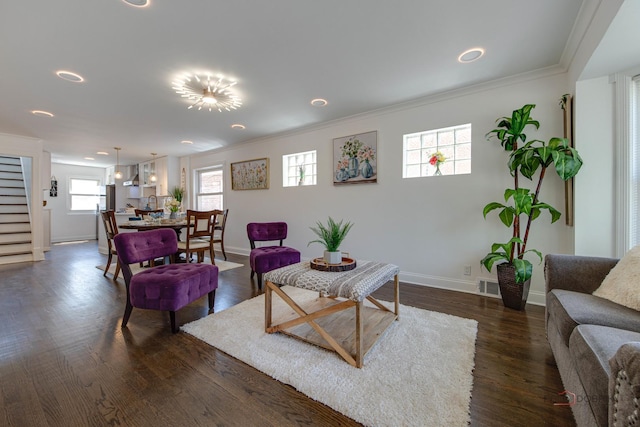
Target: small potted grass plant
331, 236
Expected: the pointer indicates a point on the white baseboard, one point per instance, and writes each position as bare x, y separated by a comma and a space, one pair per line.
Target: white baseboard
467, 286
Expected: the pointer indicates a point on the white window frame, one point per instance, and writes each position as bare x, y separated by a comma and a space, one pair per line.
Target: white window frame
627, 161
291, 163
198, 178
452, 152
71, 193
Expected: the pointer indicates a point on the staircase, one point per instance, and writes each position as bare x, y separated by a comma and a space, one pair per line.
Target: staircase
15, 225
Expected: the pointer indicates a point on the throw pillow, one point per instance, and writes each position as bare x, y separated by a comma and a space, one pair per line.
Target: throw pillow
622, 284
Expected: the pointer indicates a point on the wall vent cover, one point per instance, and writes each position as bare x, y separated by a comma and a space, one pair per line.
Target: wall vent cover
488, 287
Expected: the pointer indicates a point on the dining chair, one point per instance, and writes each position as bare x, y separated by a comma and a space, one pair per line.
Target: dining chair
140, 213
167, 287
111, 230
267, 258
218, 236
200, 228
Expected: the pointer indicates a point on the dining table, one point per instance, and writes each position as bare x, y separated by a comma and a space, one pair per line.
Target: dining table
143, 225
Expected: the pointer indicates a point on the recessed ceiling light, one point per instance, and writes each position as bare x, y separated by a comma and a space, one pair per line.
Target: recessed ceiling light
41, 113
186, 142
69, 76
102, 153
89, 158
138, 3
238, 126
471, 55
319, 102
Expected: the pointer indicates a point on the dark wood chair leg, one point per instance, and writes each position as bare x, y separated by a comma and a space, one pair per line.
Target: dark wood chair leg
115, 275
252, 273
212, 298
127, 313
222, 247
108, 264
259, 280
172, 316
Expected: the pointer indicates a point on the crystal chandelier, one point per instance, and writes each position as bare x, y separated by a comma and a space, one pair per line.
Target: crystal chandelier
207, 91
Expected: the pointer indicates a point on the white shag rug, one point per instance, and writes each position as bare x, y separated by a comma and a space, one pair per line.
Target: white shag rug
222, 266
420, 373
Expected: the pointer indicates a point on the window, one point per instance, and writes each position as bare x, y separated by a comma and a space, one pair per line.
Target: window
209, 188
299, 169
84, 194
454, 143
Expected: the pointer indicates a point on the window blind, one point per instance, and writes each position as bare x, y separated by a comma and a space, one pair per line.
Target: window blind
635, 184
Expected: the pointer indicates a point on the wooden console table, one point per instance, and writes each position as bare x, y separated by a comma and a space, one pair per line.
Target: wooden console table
337, 320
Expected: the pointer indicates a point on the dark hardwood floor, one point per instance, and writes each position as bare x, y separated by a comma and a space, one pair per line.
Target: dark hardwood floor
65, 361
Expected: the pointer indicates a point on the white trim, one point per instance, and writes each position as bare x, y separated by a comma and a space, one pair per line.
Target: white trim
623, 158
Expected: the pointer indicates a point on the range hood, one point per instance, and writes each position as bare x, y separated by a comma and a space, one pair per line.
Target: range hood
132, 176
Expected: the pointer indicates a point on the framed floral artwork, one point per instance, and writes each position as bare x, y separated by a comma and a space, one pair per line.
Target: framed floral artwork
250, 174
355, 159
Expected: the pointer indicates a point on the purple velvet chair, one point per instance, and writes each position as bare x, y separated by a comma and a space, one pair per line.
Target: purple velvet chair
267, 258
166, 287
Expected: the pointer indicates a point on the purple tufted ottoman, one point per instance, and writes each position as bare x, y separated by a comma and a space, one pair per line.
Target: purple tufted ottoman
166, 287
267, 258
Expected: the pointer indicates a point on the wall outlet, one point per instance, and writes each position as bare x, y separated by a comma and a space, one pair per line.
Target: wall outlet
467, 270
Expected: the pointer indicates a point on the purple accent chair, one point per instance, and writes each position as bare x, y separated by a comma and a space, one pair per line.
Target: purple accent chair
267, 258
167, 287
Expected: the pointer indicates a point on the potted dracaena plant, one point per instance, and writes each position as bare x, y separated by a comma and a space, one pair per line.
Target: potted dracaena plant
522, 206
331, 236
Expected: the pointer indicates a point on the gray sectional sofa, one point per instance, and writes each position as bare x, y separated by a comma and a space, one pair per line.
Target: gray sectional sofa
595, 342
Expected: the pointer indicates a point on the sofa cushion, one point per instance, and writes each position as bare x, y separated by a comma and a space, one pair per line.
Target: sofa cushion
621, 284
591, 347
568, 309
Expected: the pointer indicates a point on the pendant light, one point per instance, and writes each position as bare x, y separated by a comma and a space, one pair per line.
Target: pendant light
118, 174
153, 176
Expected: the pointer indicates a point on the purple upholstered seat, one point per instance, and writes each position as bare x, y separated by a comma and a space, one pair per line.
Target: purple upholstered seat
166, 287
267, 258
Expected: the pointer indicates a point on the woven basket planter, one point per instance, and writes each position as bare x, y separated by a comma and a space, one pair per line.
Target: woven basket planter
514, 295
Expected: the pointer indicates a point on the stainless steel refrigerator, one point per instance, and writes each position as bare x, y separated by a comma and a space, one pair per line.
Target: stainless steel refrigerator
110, 197
107, 202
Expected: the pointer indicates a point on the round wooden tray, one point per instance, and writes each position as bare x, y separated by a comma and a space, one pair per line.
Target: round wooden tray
320, 264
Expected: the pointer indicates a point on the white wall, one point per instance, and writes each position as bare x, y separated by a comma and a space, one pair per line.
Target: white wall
595, 186
430, 227
67, 225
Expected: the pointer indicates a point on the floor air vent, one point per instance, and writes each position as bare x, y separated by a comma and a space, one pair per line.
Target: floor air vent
488, 287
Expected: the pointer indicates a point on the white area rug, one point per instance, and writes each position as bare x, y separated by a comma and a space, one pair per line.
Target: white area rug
420, 373
222, 266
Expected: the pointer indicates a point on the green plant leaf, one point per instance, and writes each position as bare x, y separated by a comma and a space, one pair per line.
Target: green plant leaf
524, 270
331, 235
492, 257
491, 206
507, 216
555, 214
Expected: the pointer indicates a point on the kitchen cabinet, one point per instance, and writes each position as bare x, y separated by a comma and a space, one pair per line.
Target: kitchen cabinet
145, 170
167, 172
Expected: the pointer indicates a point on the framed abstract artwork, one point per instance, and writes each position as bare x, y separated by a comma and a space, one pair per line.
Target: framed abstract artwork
250, 174
355, 159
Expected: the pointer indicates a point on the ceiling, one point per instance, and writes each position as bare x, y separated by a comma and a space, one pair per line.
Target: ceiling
357, 54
